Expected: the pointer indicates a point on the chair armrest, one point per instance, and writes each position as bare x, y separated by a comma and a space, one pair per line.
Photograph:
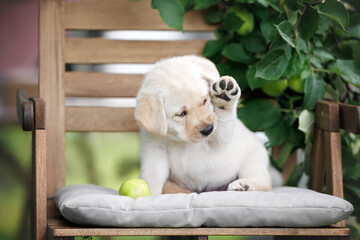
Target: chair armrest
25, 110
350, 118
30, 111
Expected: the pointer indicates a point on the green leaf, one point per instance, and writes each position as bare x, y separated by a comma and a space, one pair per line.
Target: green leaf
295, 176
232, 22
284, 154
295, 136
253, 81
354, 26
286, 29
214, 15
254, 42
236, 70
311, 1
202, 4
301, 45
235, 52
171, 12
339, 84
222, 34
323, 55
324, 24
274, 5
314, 91
278, 43
245, 1
332, 92
349, 70
273, 65
268, 29
263, 3
309, 24
212, 47
187, 3
259, 113
296, 66
261, 12
335, 10
291, 5
277, 133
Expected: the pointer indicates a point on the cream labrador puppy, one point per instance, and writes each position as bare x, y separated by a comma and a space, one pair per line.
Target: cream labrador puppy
191, 135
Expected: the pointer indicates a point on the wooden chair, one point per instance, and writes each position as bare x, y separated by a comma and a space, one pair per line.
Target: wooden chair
56, 50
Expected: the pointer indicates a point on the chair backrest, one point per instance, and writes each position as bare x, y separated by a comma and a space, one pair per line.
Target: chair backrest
57, 49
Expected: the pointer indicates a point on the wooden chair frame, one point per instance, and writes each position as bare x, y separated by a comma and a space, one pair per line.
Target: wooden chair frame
54, 84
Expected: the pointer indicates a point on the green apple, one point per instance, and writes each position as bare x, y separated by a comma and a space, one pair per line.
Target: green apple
134, 188
275, 88
248, 18
296, 84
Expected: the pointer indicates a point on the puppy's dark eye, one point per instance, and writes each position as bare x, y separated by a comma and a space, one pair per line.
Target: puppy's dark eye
183, 114
205, 101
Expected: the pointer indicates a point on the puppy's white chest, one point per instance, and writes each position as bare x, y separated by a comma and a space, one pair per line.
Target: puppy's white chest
197, 167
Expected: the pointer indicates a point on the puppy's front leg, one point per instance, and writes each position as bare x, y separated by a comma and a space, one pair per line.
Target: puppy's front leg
253, 173
154, 165
225, 94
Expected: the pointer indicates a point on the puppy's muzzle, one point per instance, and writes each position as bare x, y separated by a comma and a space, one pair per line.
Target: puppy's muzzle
207, 130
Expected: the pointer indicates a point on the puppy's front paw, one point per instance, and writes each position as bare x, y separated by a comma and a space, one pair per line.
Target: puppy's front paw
225, 91
241, 185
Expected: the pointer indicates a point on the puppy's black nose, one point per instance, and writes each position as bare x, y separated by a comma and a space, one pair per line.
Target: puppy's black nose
206, 131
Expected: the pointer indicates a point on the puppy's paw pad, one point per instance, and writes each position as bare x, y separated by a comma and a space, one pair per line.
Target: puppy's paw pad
241, 185
225, 88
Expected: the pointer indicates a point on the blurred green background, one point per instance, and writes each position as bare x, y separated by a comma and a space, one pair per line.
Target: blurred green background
105, 159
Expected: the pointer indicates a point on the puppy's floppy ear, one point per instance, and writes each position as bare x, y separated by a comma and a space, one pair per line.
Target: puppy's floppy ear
150, 114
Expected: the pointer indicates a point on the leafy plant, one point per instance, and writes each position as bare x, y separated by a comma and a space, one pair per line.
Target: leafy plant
312, 45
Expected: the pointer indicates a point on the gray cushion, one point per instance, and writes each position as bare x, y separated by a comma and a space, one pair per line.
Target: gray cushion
282, 207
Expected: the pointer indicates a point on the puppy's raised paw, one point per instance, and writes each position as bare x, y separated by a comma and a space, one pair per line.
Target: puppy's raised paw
241, 185
224, 92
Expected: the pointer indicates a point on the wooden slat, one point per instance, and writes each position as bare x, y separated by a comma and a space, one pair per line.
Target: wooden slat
124, 15
93, 84
51, 89
58, 228
85, 119
99, 50
38, 198
317, 169
350, 118
327, 116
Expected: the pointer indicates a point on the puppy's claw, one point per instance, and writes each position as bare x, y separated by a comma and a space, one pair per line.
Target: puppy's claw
214, 87
236, 92
229, 86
